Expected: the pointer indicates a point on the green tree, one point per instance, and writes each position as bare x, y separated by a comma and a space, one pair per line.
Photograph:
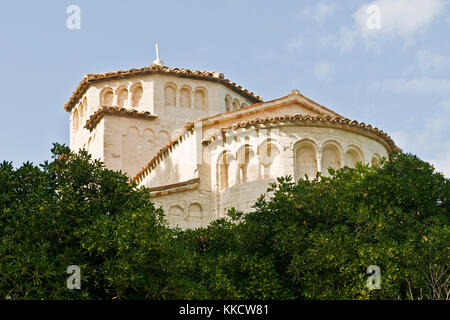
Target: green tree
306, 239
320, 236
62, 213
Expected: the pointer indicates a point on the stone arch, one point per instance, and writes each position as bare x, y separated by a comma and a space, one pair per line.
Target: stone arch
85, 105
176, 213
331, 157
247, 166
149, 134
375, 162
305, 157
170, 95
81, 110
236, 104
270, 158
195, 212
149, 143
224, 171
244, 105
228, 103
136, 95
353, 156
133, 130
138, 146
201, 98
75, 119
106, 97
163, 138
122, 96
185, 97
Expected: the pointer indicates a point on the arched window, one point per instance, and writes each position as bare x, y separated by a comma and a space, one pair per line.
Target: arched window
200, 99
170, 95
305, 160
149, 135
85, 107
106, 97
228, 103
244, 105
136, 96
75, 120
269, 157
176, 213
122, 97
81, 108
236, 104
195, 213
163, 138
375, 160
247, 166
352, 157
185, 97
223, 170
331, 158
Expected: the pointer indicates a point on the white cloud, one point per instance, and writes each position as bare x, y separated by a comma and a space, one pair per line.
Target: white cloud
323, 10
348, 38
429, 61
429, 145
400, 137
441, 163
324, 71
422, 85
430, 140
296, 44
399, 18
445, 105
319, 11
326, 40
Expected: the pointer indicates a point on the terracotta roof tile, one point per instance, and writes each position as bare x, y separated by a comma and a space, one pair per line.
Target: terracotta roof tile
88, 79
101, 111
175, 187
322, 120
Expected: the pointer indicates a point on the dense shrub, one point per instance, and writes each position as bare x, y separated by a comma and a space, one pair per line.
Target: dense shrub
304, 240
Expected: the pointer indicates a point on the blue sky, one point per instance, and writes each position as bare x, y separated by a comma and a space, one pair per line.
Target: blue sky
396, 78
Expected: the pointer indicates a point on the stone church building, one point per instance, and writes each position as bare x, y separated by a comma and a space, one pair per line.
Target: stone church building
203, 144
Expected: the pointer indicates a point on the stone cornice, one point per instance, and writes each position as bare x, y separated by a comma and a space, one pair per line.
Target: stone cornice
303, 120
88, 79
318, 121
95, 118
175, 187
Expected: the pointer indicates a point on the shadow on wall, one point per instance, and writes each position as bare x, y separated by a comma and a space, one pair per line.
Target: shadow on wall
139, 148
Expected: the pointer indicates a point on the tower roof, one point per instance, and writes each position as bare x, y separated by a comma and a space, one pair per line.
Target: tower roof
89, 79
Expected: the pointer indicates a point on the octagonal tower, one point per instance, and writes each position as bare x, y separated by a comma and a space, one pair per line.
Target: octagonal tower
123, 118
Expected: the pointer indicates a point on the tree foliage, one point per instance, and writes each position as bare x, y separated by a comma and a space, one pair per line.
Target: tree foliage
306, 239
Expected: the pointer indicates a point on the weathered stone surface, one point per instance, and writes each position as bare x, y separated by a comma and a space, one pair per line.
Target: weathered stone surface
202, 144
